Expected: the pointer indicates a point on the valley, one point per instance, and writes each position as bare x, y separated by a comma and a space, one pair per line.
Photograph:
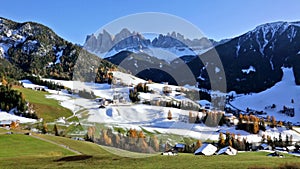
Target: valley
125, 100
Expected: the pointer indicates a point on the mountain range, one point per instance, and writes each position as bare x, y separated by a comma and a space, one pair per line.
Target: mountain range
32, 48
166, 47
252, 62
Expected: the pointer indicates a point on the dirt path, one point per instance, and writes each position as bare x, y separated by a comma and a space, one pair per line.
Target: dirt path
61, 145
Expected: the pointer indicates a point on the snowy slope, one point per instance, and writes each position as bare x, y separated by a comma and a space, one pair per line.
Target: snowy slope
167, 54
8, 118
154, 118
127, 78
280, 94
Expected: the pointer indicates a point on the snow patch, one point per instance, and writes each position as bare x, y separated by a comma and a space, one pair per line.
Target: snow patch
58, 56
271, 63
250, 69
217, 70
237, 49
28, 84
278, 95
6, 118
167, 54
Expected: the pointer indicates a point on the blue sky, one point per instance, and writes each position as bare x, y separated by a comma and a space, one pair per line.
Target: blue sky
217, 19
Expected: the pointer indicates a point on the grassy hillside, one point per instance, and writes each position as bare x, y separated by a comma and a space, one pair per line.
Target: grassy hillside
19, 145
48, 109
2, 131
96, 157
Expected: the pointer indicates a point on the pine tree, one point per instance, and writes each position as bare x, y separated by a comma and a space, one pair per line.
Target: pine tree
240, 119
141, 135
3, 81
286, 140
273, 121
221, 142
268, 118
169, 115
154, 143
255, 128
13, 125
228, 138
45, 128
280, 139
198, 144
55, 130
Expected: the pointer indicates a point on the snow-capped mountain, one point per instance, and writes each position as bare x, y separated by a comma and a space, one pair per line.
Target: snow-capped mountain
166, 47
252, 62
35, 49
264, 50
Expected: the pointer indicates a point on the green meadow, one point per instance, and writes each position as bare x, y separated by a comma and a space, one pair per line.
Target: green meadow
22, 151
48, 109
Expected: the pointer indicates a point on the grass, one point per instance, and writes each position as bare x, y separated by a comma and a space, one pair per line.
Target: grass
147, 132
73, 119
83, 147
48, 109
97, 157
19, 145
2, 130
120, 130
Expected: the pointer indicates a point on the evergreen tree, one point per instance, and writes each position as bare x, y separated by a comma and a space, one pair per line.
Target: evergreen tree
286, 140
198, 144
169, 115
255, 128
221, 141
55, 129
273, 121
291, 140
45, 128
228, 138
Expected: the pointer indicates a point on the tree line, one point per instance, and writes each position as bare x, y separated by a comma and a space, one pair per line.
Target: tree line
132, 140
231, 140
10, 99
49, 84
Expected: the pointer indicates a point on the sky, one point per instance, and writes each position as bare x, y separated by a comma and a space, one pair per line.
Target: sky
217, 19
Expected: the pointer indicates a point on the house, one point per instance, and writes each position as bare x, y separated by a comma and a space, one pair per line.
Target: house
167, 90
280, 149
179, 147
290, 148
275, 154
264, 146
231, 119
205, 104
206, 149
288, 111
171, 152
227, 151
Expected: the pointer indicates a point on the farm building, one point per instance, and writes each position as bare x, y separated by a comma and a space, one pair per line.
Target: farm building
265, 146
227, 151
179, 147
170, 152
206, 149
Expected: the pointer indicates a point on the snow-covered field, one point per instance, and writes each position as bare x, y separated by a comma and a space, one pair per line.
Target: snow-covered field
6, 118
281, 94
154, 118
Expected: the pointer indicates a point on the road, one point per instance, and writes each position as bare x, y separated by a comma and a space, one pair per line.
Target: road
61, 145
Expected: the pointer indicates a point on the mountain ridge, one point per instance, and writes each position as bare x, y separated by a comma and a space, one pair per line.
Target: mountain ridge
36, 49
264, 49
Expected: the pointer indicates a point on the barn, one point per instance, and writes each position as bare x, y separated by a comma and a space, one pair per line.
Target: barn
206, 149
228, 150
